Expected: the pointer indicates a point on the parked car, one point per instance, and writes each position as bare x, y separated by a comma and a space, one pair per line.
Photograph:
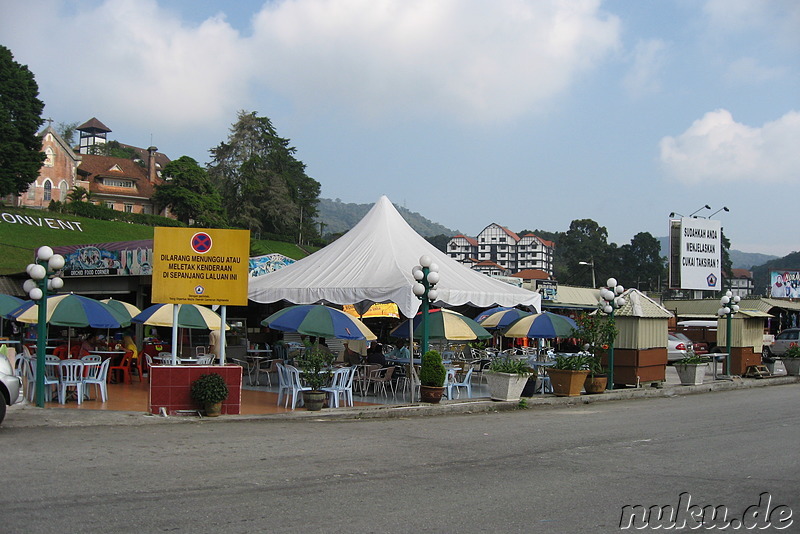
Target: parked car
677, 345
781, 343
10, 385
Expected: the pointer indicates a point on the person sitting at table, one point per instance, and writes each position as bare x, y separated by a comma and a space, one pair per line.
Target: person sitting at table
351, 357
89, 344
375, 355
214, 343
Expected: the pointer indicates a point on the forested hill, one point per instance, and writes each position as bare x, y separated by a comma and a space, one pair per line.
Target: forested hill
339, 217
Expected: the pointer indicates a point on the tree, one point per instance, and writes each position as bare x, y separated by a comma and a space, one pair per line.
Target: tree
67, 131
79, 194
263, 186
641, 263
21, 154
585, 241
189, 194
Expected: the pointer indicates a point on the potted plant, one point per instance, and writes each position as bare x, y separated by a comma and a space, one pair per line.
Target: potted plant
315, 363
691, 368
791, 360
597, 333
431, 377
506, 378
209, 391
568, 374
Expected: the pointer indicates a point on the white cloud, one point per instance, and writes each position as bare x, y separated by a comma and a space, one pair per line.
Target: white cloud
472, 59
776, 19
648, 60
718, 149
751, 71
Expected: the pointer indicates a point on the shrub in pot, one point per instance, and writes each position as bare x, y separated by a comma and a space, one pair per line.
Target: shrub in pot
507, 377
432, 375
691, 369
568, 374
596, 332
210, 390
315, 362
791, 360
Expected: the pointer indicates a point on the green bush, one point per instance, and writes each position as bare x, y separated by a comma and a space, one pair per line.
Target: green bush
432, 373
209, 389
792, 352
506, 364
315, 362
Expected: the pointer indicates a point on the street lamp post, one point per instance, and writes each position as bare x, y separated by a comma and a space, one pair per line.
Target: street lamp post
703, 207
594, 283
611, 299
42, 279
728, 305
426, 275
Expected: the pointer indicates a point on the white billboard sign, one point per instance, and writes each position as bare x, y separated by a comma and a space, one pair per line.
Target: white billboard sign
700, 254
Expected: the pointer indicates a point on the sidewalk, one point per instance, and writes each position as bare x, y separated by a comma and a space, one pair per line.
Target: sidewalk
27, 416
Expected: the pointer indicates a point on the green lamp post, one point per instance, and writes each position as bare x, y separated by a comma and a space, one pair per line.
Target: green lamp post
426, 275
728, 305
611, 299
42, 280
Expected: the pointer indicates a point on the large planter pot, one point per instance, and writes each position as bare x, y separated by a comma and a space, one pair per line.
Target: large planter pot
595, 384
792, 366
691, 374
431, 394
313, 400
505, 386
567, 383
213, 409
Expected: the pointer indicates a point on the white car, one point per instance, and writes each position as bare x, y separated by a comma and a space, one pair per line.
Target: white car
677, 345
782, 342
10, 385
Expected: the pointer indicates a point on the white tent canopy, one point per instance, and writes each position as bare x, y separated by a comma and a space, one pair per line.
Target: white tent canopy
372, 263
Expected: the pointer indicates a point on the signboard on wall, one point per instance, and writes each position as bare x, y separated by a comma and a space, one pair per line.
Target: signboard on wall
207, 266
124, 258
547, 288
784, 284
695, 254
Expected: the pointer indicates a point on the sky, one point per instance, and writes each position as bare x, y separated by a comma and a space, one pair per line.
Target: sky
525, 113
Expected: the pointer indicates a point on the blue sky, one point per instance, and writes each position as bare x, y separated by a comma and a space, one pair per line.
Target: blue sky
526, 113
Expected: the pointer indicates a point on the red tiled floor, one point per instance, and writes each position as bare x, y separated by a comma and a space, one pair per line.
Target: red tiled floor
133, 398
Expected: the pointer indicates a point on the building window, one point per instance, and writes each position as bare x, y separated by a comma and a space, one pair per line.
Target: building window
63, 189
32, 191
109, 204
49, 157
48, 191
114, 182
128, 208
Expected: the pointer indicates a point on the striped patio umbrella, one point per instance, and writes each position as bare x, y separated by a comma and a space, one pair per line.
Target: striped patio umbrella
502, 319
124, 308
9, 303
444, 324
189, 316
319, 321
72, 310
542, 325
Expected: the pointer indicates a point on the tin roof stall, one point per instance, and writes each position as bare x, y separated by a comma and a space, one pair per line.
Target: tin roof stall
747, 339
640, 350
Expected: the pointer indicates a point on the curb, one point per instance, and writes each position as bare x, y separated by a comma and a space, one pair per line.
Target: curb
25, 415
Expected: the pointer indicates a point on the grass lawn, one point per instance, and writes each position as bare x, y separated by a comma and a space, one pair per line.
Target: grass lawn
22, 231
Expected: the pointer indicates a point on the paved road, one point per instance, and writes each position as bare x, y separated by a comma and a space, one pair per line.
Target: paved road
561, 470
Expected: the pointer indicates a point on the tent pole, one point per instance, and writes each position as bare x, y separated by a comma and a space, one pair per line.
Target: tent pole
223, 312
411, 359
175, 308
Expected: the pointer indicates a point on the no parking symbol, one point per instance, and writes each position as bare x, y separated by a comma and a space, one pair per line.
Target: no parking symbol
201, 242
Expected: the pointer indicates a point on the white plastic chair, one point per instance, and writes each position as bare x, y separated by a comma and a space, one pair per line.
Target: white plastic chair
296, 387
466, 382
70, 375
204, 359
283, 382
342, 379
99, 380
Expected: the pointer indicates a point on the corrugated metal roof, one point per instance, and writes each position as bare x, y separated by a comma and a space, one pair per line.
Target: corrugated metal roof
755, 313
10, 286
708, 307
637, 304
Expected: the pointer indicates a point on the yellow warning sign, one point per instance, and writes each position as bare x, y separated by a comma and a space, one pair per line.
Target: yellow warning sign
200, 266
